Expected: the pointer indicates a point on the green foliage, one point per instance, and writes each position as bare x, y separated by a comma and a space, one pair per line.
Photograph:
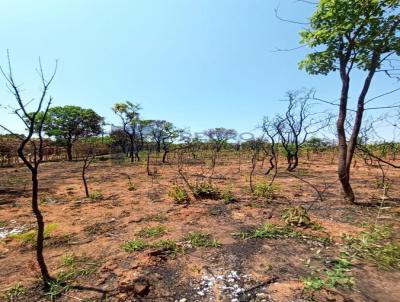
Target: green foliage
296, 216
68, 123
338, 275
155, 231
360, 28
30, 236
14, 292
198, 239
95, 195
134, 245
205, 190
265, 190
228, 196
168, 245
376, 244
178, 194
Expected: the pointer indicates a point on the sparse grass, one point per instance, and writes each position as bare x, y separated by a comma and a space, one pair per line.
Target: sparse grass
96, 195
265, 190
30, 236
155, 231
134, 245
376, 244
168, 245
204, 190
74, 267
198, 239
3, 223
270, 230
155, 217
14, 292
178, 194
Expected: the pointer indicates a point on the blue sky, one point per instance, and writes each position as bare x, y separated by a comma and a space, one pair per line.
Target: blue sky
196, 63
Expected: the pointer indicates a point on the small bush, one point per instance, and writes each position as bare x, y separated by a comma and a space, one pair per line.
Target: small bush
198, 239
265, 190
178, 194
296, 216
205, 190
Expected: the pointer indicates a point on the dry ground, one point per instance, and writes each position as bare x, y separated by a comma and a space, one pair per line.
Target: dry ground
267, 269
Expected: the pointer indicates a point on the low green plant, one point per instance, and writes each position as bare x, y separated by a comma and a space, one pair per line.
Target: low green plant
265, 190
338, 275
14, 292
376, 244
296, 216
198, 239
155, 231
30, 236
202, 190
155, 217
228, 196
95, 195
134, 245
178, 194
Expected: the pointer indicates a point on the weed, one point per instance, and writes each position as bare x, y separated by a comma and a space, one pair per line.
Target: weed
30, 236
198, 239
205, 190
265, 190
169, 245
228, 196
374, 244
155, 231
134, 245
95, 195
178, 194
296, 216
15, 291
337, 275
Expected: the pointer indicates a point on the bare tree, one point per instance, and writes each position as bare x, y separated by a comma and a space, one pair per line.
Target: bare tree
34, 126
297, 124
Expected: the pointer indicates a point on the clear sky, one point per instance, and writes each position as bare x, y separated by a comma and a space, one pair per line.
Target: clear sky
196, 63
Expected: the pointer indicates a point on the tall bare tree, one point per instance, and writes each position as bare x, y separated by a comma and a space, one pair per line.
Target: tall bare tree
34, 127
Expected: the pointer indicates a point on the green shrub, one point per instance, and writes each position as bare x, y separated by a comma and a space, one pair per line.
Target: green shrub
265, 190
178, 194
205, 190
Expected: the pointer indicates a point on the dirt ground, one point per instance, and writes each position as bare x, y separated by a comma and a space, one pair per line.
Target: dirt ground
239, 269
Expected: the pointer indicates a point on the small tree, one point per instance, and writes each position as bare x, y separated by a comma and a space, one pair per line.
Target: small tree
33, 138
69, 123
131, 125
347, 35
218, 138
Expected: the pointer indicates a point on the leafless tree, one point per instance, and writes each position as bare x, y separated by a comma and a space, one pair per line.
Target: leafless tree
34, 127
297, 124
